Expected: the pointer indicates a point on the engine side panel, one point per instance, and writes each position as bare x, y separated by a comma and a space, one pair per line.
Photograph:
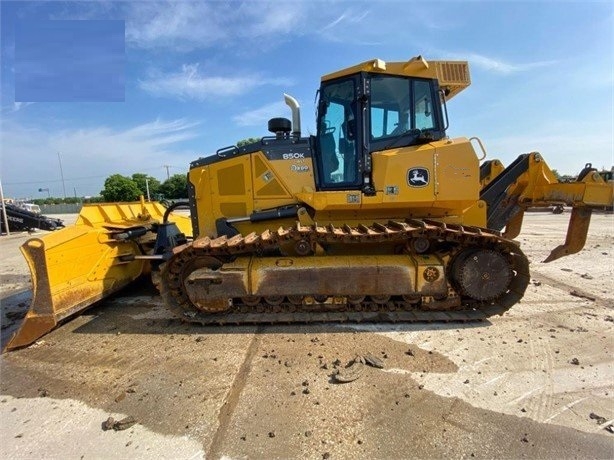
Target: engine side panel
237, 185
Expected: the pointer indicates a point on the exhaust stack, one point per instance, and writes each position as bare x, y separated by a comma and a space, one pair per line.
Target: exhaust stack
296, 114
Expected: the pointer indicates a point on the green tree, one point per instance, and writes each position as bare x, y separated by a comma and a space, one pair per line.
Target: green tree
563, 177
175, 187
141, 180
120, 188
51, 200
247, 140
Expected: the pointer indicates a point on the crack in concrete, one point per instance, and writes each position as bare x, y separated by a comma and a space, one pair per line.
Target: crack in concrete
234, 393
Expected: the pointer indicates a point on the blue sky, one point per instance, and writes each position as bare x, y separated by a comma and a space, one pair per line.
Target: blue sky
201, 75
69, 61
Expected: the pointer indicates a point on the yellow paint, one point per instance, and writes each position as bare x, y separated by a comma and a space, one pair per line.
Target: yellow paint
452, 75
288, 177
451, 194
260, 184
73, 267
538, 187
496, 168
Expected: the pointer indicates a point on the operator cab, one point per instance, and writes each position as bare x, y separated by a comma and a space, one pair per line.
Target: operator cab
364, 113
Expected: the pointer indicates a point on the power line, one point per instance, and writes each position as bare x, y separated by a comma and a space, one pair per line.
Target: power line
72, 179
52, 181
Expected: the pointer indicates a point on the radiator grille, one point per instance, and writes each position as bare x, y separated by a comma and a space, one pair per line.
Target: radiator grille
453, 75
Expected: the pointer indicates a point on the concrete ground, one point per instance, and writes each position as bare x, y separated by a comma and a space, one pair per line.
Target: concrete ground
537, 382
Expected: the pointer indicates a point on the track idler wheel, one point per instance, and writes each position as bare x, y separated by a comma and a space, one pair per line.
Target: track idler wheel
201, 277
482, 274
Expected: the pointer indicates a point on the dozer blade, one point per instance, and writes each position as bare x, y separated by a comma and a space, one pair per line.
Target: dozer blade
577, 231
74, 267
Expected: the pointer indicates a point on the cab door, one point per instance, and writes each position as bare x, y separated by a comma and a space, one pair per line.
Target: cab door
337, 139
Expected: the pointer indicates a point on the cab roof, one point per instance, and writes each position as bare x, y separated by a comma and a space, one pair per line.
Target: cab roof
453, 76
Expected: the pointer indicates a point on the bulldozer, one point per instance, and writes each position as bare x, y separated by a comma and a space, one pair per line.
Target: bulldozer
379, 216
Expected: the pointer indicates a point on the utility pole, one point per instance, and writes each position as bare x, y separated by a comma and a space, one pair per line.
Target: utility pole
147, 187
4, 217
168, 174
62, 175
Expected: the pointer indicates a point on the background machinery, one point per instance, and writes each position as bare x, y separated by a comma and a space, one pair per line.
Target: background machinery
378, 217
26, 217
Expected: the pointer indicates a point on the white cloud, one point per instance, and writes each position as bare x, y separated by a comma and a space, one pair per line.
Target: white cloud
272, 18
174, 23
349, 27
16, 107
495, 65
185, 26
347, 17
563, 150
191, 25
332, 24
191, 83
260, 116
89, 155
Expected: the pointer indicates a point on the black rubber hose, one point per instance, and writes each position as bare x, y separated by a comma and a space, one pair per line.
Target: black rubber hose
172, 207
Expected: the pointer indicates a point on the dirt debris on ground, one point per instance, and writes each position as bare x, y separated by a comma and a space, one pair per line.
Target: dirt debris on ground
598, 418
118, 425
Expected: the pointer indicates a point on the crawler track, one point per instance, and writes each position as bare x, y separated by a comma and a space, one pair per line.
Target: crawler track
338, 309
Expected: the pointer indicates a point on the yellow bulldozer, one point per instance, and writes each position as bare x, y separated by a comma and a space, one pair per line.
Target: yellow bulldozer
379, 216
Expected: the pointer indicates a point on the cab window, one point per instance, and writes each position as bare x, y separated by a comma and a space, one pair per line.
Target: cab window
399, 105
423, 106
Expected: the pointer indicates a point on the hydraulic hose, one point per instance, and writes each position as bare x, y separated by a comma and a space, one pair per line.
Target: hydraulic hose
172, 207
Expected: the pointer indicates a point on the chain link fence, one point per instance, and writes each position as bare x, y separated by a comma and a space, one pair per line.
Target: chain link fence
64, 208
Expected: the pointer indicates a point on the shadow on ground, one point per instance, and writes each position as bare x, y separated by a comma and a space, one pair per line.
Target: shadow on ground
139, 310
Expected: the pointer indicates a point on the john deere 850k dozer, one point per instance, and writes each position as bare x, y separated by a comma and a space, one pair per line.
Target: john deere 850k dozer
378, 217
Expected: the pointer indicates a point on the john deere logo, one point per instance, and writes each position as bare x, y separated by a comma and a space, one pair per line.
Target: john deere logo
418, 177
